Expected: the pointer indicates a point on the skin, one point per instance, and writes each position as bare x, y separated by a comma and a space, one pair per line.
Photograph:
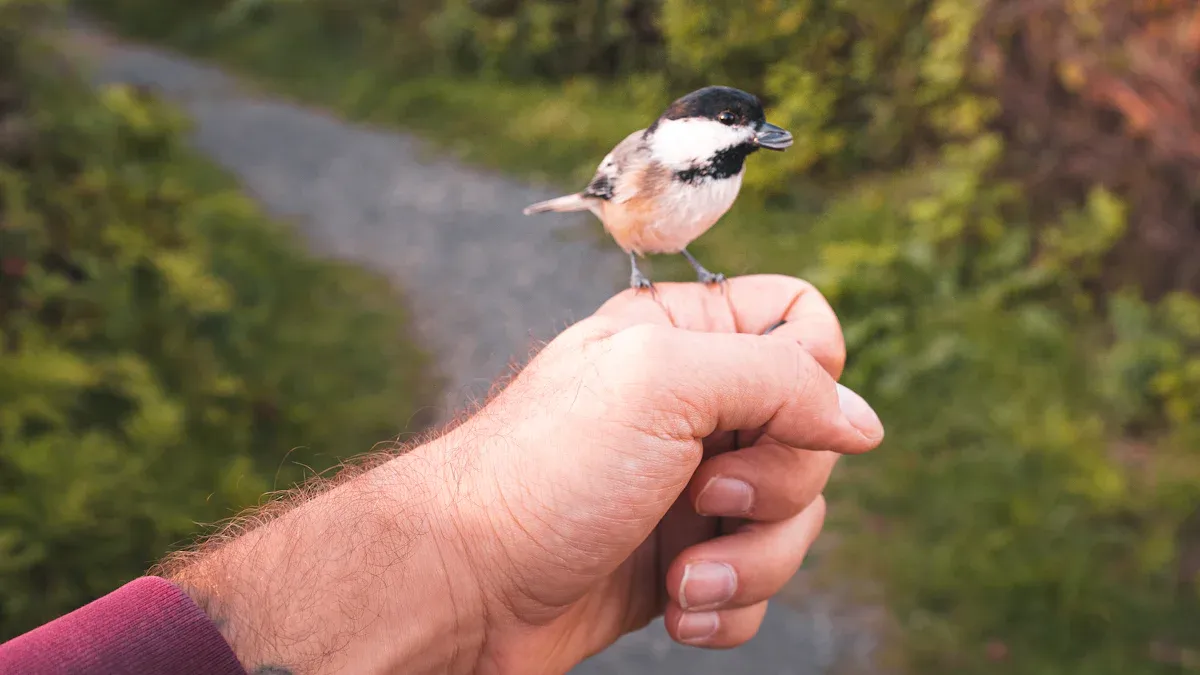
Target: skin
564, 513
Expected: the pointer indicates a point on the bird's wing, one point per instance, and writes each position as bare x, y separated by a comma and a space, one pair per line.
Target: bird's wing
610, 182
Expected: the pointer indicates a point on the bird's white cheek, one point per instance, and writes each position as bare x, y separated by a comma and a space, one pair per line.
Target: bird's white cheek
681, 144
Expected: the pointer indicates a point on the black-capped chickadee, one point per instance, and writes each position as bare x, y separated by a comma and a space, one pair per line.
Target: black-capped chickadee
664, 186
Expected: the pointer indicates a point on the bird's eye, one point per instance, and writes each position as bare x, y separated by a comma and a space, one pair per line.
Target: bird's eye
726, 118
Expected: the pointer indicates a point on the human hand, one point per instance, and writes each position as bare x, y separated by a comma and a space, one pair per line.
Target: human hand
564, 513
630, 424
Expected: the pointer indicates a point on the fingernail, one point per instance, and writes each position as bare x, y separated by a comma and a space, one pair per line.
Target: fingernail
725, 497
698, 626
859, 413
706, 584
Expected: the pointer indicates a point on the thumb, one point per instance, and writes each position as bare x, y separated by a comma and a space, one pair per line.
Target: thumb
620, 421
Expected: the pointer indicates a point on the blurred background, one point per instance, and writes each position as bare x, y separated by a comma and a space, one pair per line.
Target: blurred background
1000, 198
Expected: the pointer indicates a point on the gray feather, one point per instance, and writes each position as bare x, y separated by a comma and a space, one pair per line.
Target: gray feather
564, 204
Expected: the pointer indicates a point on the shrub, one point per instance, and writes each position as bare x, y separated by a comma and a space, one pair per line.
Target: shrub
167, 354
1030, 510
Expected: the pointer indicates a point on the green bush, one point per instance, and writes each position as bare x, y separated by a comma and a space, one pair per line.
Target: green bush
961, 197
857, 81
167, 354
1027, 512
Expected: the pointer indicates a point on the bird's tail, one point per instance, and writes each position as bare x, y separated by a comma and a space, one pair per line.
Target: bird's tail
575, 202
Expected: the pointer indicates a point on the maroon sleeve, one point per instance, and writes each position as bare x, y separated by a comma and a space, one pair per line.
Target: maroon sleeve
146, 626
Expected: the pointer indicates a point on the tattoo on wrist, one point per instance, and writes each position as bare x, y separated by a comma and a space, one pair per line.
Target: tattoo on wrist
271, 670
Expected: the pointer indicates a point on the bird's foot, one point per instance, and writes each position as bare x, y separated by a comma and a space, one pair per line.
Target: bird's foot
702, 275
638, 281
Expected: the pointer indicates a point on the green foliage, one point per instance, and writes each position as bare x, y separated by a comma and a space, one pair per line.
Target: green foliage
1007, 505
1034, 509
167, 354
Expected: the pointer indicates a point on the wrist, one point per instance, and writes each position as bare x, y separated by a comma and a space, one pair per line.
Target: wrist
526, 562
368, 576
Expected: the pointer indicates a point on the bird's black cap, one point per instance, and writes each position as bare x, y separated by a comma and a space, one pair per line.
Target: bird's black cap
710, 102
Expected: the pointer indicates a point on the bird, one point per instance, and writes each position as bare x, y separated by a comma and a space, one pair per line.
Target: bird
663, 186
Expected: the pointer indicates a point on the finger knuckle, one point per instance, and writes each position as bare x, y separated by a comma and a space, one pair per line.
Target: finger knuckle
808, 378
637, 372
635, 359
817, 391
833, 353
802, 287
831, 349
789, 284
820, 507
642, 348
798, 499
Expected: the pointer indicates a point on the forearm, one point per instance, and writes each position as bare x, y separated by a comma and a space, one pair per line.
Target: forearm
361, 577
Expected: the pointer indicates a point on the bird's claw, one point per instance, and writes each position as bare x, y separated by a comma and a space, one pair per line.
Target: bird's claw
702, 275
638, 281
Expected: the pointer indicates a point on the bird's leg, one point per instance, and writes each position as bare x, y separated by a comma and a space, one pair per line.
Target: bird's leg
637, 280
703, 275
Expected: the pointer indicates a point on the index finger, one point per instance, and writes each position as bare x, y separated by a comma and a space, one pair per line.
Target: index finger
749, 304
698, 384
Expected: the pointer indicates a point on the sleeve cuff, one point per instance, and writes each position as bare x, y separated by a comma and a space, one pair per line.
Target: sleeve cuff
146, 626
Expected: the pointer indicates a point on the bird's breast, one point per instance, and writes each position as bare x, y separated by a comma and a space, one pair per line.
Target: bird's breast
670, 220
706, 200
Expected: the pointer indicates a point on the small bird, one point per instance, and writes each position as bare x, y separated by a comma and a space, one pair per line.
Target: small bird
663, 186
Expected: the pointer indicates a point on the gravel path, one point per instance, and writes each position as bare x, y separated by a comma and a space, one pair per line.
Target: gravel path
484, 281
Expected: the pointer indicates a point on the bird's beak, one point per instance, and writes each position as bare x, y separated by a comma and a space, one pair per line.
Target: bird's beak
772, 137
